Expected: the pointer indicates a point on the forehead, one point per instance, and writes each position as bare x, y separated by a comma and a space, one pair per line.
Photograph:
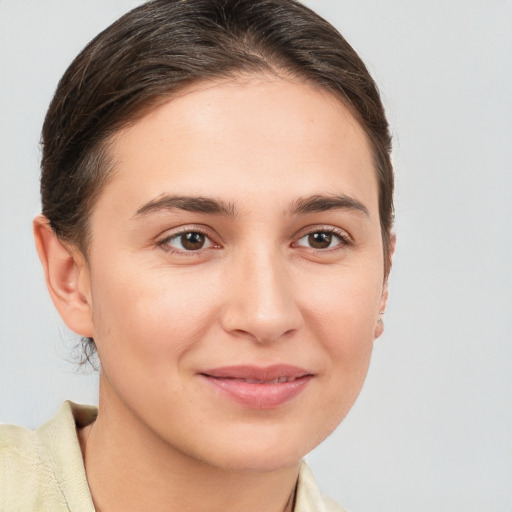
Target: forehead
240, 138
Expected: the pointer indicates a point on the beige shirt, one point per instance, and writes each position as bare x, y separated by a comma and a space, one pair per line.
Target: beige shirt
43, 470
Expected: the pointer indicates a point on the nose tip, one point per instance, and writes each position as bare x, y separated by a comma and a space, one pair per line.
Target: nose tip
262, 305
264, 328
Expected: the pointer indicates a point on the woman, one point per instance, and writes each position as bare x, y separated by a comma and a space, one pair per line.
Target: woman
217, 213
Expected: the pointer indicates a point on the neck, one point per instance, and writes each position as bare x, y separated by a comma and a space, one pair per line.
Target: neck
130, 468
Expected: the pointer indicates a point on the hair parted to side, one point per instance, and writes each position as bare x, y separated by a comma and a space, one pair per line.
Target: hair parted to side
154, 51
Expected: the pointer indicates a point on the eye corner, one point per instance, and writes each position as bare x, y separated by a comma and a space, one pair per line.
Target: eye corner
188, 241
326, 238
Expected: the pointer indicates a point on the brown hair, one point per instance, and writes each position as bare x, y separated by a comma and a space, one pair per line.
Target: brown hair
164, 45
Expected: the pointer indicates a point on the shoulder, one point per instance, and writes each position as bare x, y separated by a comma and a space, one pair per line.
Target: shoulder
38, 466
332, 506
308, 495
17, 449
23, 474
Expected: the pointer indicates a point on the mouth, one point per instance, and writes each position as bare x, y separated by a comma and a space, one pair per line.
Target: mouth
256, 387
278, 380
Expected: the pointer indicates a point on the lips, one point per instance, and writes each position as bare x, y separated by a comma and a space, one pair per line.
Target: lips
279, 380
257, 387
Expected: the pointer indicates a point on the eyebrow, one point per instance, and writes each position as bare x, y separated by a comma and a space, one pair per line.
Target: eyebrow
319, 203
187, 203
302, 206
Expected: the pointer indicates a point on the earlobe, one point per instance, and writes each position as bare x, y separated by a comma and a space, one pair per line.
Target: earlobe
67, 278
389, 256
379, 326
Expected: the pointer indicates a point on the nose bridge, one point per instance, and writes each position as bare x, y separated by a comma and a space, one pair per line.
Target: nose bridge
263, 305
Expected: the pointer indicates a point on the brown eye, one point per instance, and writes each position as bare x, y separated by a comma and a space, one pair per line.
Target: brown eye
188, 241
192, 241
320, 240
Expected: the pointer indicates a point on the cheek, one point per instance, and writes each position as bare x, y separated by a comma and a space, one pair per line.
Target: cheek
153, 318
344, 305
346, 336
343, 313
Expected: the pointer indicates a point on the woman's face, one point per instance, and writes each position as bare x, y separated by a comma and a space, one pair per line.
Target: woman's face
235, 275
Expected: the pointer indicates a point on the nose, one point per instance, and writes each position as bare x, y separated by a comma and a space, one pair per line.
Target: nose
261, 299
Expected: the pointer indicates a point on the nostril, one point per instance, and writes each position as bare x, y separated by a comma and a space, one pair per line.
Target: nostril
264, 309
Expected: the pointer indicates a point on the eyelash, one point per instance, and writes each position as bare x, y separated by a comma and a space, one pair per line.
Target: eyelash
344, 240
164, 244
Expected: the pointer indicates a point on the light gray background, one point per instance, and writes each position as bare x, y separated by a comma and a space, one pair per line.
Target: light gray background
432, 429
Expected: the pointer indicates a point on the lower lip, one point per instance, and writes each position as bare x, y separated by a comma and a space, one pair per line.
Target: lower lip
259, 396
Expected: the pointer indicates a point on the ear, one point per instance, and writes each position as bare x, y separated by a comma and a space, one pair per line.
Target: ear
379, 325
67, 278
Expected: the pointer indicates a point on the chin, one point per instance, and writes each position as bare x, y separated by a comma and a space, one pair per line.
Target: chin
258, 462
258, 450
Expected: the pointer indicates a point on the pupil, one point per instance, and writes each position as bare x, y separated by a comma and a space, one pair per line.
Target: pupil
192, 241
320, 240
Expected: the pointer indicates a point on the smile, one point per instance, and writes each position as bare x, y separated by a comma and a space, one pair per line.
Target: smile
258, 388
279, 380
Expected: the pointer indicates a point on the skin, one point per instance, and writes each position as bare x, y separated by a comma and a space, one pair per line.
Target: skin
257, 292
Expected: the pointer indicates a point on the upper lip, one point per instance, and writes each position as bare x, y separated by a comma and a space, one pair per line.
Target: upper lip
257, 373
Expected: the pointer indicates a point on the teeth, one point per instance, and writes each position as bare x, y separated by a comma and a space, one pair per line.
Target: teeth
278, 380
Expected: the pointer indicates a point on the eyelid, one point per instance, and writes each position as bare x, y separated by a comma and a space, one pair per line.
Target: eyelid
324, 228
170, 234
344, 236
